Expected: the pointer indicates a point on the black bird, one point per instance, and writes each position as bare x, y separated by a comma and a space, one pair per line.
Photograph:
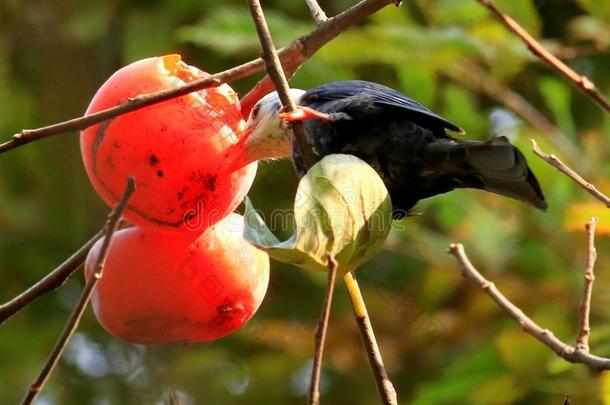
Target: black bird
405, 142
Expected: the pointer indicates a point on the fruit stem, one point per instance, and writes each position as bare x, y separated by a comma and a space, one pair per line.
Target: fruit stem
320, 335
384, 385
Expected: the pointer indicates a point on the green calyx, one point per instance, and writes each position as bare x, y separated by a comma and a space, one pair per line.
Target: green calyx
342, 209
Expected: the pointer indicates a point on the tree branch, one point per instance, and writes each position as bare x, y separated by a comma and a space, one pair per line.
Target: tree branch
565, 169
317, 13
331, 28
75, 124
270, 56
583, 83
563, 350
77, 313
384, 385
51, 281
320, 336
276, 73
293, 55
584, 329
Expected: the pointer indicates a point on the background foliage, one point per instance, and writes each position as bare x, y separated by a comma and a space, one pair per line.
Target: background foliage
443, 340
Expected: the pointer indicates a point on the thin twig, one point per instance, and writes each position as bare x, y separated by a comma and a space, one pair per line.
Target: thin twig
293, 54
308, 45
471, 75
77, 313
583, 83
584, 328
317, 13
320, 335
265, 85
563, 350
384, 385
51, 281
565, 169
276, 73
135, 103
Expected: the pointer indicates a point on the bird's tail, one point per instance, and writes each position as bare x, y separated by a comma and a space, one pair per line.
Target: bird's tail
494, 165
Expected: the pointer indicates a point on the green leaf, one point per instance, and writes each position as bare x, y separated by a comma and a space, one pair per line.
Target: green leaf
229, 30
597, 8
467, 370
418, 81
461, 108
432, 47
147, 34
341, 208
451, 12
558, 98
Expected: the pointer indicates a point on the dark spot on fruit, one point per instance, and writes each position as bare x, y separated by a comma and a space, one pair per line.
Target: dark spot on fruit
116, 145
182, 192
224, 309
210, 182
153, 160
206, 180
232, 311
159, 173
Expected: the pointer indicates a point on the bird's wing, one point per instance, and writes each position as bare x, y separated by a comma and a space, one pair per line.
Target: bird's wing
379, 94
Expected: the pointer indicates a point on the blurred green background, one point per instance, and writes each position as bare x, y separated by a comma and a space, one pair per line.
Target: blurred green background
442, 339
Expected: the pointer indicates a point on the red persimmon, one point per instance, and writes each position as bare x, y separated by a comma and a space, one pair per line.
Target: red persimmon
160, 287
178, 150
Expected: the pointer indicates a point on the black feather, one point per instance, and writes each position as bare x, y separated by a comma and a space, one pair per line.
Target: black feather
361, 92
407, 145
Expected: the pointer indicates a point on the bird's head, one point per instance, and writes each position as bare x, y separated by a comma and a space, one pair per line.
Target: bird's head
267, 137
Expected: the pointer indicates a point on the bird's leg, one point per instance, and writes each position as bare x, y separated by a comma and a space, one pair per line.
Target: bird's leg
304, 113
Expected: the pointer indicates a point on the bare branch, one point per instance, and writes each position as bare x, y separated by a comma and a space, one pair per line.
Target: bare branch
584, 329
270, 55
77, 313
320, 336
565, 169
317, 13
384, 385
276, 73
563, 350
293, 55
51, 281
583, 83
75, 124
304, 47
